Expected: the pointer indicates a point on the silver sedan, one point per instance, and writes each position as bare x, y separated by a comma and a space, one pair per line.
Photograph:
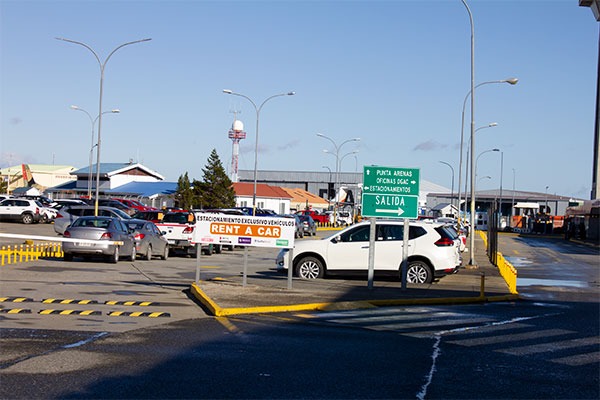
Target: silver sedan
99, 235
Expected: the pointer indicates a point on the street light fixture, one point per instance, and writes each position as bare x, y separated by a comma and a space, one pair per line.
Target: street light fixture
338, 160
93, 121
476, 161
102, 65
257, 109
451, 190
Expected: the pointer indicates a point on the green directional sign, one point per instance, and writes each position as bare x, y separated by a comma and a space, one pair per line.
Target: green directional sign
390, 192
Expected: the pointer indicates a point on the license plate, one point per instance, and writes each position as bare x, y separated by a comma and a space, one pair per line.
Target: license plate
170, 241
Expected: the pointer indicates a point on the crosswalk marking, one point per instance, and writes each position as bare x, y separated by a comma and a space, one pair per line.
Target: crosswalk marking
579, 359
470, 330
545, 347
510, 338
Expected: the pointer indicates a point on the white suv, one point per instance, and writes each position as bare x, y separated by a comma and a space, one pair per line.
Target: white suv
24, 210
433, 252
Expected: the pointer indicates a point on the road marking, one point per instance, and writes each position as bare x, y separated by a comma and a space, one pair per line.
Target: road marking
510, 338
579, 359
553, 346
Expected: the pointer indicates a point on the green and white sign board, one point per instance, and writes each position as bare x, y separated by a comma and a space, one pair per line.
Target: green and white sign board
390, 192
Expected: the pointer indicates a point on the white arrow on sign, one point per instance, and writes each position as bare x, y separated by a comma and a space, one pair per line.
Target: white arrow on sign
390, 211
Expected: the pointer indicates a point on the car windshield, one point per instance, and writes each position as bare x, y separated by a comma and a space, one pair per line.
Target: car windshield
122, 214
180, 218
91, 223
136, 225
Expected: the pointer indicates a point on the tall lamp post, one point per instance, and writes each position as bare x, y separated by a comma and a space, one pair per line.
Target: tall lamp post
491, 125
510, 81
102, 65
480, 154
328, 194
336, 154
257, 109
93, 121
451, 190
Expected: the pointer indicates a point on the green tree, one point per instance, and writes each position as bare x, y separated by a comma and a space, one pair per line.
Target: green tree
215, 191
184, 195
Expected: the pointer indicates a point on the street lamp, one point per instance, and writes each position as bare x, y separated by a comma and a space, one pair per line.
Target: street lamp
490, 125
102, 66
257, 109
476, 161
336, 154
328, 194
452, 190
93, 121
510, 81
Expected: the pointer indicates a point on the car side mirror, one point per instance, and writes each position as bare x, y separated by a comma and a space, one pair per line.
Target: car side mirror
335, 239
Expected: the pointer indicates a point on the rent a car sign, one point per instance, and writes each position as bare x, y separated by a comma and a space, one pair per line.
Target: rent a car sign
241, 230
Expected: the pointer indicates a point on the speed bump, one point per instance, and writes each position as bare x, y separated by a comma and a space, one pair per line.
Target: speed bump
130, 303
15, 299
70, 312
15, 311
137, 314
68, 301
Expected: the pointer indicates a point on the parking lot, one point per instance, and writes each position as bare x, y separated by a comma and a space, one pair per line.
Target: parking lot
99, 296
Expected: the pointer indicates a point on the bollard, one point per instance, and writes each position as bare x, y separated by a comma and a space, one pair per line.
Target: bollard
482, 286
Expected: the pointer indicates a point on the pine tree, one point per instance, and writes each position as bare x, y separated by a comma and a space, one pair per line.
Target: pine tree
216, 190
184, 195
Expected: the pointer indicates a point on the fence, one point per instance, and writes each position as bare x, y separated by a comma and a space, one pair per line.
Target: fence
29, 252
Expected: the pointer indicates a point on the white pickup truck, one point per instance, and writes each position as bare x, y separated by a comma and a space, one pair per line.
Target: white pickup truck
178, 227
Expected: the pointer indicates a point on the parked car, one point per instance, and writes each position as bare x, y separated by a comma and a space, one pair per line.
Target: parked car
24, 210
116, 204
102, 230
178, 227
60, 203
136, 205
155, 216
48, 214
260, 212
299, 232
309, 227
149, 241
67, 215
319, 218
433, 252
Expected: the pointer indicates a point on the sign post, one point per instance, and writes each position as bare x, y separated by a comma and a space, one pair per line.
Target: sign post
389, 192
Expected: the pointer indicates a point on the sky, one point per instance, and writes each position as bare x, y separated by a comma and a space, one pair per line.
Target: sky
393, 73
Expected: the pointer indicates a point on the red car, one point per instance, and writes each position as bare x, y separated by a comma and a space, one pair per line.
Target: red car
135, 204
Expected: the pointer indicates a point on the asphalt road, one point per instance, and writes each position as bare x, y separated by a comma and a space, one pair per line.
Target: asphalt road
546, 346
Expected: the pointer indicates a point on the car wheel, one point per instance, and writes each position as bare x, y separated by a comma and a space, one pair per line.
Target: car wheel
310, 268
114, 258
148, 253
165, 254
44, 219
68, 257
218, 248
418, 272
27, 218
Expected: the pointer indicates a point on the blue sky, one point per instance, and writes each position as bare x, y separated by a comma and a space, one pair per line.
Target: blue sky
394, 73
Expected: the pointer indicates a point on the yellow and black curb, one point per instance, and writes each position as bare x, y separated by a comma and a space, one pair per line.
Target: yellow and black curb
218, 311
131, 303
